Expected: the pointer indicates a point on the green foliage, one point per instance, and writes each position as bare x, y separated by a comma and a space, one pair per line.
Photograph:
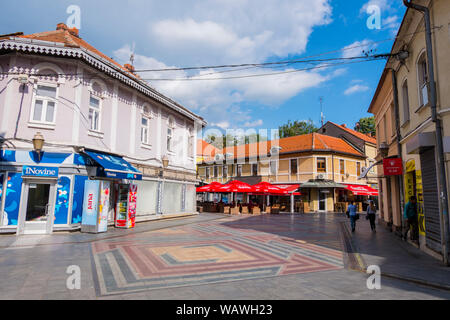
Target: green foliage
297, 128
366, 125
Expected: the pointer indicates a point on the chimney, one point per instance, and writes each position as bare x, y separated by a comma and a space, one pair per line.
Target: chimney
129, 67
73, 31
344, 125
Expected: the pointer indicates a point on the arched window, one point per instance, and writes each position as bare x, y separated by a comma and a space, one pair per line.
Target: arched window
405, 98
422, 74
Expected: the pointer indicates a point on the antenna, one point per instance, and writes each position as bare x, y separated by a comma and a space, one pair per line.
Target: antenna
321, 110
132, 54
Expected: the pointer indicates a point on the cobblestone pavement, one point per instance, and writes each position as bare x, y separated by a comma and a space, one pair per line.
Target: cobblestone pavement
210, 256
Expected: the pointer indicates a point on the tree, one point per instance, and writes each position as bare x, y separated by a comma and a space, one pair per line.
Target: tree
297, 128
366, 125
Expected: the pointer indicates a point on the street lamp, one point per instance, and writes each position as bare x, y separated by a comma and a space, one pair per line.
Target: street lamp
165, 163
384, 149
38, 144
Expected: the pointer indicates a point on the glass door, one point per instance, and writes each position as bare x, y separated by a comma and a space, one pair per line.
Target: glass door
37, 208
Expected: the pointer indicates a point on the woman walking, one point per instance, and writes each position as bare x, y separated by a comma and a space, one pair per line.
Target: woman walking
371, 215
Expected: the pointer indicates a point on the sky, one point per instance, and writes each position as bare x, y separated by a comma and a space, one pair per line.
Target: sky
175, 33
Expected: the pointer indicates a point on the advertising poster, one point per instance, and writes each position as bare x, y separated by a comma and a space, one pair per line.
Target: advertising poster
104, 206
132, 202
90, 203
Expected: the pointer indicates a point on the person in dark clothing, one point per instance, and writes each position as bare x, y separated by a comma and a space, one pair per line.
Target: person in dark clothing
371, 215
351, 212
410, 215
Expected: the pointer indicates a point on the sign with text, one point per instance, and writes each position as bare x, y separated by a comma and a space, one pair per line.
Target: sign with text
90, 203
37, 171
393, 167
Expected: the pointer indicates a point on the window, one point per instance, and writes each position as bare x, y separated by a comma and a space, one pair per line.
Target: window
225, 171
239, 170
342, 166
44, 105
423, 79
405, 101
371, 162
190, 143
358, 168
145, 130
208, 172
94, 114
216, 172
273, 168
170, 128
321, 165
293, 166
255, 169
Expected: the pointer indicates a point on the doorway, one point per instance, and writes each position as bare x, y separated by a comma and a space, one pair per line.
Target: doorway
37, 208
322, 201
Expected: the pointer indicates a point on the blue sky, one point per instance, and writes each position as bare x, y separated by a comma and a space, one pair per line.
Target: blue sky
209, 32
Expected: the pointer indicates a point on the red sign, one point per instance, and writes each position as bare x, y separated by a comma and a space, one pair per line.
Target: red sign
393, 166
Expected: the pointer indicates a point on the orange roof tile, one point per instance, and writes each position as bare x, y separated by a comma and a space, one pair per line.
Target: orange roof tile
360, 135
303, 143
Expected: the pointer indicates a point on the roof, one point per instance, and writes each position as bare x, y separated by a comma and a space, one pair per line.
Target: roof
357, 134
312, 142
205, 149
70, 40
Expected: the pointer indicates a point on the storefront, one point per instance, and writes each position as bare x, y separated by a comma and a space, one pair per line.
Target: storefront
43, 193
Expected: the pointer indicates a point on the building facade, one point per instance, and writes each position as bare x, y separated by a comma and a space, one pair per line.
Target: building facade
417, 123
383, 108
292, 161
99, 120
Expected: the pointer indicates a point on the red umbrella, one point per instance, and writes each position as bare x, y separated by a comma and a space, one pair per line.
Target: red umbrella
235, 186
267, 188
209, 187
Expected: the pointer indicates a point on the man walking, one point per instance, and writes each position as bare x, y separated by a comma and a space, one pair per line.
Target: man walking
351, 211
410, 215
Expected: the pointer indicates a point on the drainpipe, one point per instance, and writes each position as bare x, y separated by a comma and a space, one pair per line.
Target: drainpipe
443, 212
399, 147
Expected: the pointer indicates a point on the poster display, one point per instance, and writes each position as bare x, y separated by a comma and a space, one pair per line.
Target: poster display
126, 206
95, 206
413, 187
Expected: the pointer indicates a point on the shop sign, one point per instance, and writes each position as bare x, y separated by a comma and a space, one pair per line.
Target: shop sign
38, 171
393, 166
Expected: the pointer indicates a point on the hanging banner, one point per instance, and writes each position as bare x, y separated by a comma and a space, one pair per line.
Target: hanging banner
393, 166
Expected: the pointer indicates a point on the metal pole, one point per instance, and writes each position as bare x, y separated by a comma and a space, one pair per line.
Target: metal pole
443, 212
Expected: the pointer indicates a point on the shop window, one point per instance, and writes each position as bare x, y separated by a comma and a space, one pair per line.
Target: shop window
294, 166
321, 165
208, 172
239, 170
342, 166
405, 101
225, 171
94, 113
44, 104
423, 79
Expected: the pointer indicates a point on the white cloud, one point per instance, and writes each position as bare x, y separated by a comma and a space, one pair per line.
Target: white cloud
356, 88
256, 123
222, 125
357, 48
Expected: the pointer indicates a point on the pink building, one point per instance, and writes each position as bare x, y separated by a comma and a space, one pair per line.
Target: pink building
86, 105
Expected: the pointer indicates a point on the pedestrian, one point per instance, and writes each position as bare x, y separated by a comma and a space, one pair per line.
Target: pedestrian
351, 212
410, 215
371, 215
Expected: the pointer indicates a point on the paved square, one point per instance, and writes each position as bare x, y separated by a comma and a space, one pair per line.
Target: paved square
237, 248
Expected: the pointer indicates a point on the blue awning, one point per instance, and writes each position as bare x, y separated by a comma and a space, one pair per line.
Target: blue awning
114, 166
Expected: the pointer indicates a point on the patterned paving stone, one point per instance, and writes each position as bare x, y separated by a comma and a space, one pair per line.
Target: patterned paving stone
232, 249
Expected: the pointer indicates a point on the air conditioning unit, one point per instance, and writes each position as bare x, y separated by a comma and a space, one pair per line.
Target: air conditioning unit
275, 150
218, 157
320, 177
